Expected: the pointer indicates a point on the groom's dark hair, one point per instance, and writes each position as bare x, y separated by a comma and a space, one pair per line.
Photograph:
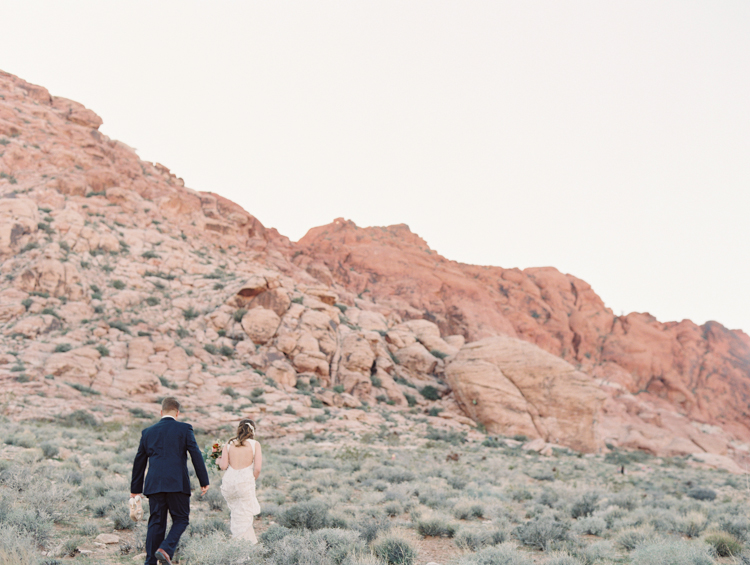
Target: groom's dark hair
170, 404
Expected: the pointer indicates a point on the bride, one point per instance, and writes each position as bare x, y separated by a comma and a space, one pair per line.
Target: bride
242, 458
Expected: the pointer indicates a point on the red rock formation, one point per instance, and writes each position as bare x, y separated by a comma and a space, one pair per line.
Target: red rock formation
80, 212
702, 372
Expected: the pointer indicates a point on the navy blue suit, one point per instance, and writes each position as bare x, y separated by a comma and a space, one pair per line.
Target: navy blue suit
165, 446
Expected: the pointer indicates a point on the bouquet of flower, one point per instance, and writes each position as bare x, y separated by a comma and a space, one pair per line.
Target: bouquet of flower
213, 452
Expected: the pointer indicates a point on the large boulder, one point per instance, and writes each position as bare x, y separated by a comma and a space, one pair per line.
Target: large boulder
260, 324
514, 387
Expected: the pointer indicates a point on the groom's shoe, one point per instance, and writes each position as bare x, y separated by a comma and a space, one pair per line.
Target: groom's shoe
162, 557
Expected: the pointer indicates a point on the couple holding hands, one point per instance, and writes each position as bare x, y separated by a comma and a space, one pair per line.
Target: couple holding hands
164, 448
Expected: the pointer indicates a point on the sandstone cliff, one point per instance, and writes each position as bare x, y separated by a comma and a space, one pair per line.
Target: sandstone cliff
121, 285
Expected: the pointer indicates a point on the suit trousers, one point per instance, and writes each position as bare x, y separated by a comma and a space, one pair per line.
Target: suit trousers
177, 504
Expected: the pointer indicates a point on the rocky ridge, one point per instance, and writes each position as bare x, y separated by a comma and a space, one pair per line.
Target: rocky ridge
120, 285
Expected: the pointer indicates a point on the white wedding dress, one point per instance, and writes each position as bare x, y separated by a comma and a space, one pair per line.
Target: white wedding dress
238, 488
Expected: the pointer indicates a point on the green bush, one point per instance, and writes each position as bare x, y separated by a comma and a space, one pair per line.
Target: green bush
218, 549
239, 314
190, 313
672, 552
49, 450
103, 351
634, 537
226, 351
541, 532
723, 543
395, 551
430, 392
699, 493
435, 526
17, 547
310, 515
505, 554
585, 505
117, 284
475, 539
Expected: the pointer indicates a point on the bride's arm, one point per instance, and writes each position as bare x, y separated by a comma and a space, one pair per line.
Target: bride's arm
258, 460
224, 459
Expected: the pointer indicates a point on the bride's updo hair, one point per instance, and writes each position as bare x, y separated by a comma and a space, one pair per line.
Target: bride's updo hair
246, 430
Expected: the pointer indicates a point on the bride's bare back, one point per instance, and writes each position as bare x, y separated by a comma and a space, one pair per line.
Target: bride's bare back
241, 456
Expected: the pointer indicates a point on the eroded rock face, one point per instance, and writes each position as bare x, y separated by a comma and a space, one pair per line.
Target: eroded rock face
116, 277
514, 387
702, 372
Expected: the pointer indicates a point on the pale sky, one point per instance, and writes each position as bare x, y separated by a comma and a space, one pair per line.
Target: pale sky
610, 140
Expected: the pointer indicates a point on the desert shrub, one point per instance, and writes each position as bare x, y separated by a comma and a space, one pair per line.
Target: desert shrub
562, 558
299, 549
468, 511
119, 325
52, 500
117, 284
395, 551
211, 348
79, 419
120, 516
393, 508
435, 526
274, 533
310, 515
475, 539
370, 527
226, 351
28, 523
239, 314
453, 437
541, 532
520, 494
208, 526
671, 552
430, 393
738, 526
627, 501
152, 300
585, 505
634, 537
594, 553
548, 497
218, 549
63, 347
89, 529
16, 547
505, 554
103, 351
692, 524
23, 439
591, 525
492, 441
190, 313
339, 544
541, 475
393, 475
700, 493
214, 499
725, 545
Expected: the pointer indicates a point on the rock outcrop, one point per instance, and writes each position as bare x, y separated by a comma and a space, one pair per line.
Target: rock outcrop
121, 285
516, 388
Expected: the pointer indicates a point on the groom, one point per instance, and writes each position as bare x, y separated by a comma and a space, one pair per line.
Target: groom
164, 446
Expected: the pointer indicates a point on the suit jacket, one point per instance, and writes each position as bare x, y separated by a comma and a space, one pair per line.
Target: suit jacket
164, 446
